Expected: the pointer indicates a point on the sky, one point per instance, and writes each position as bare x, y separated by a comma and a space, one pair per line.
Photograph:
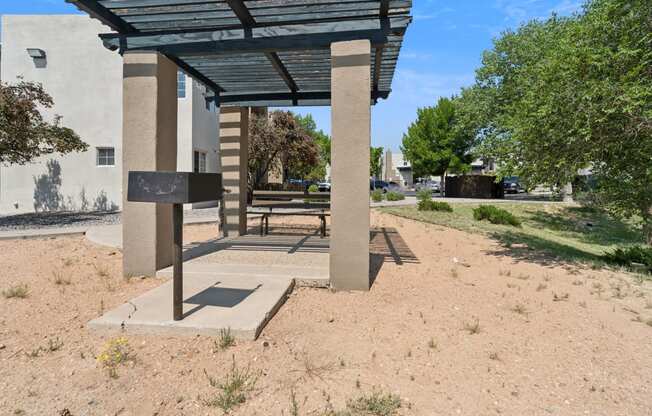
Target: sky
442, 48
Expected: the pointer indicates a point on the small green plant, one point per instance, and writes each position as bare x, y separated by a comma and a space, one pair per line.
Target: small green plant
430, 205
377, 195
542, 286
376, 404
395, 196
631, 256
225, 340
520, 309
313, 188
17, 291
233, 390
116, 352
424, 195
495, 215
432, 344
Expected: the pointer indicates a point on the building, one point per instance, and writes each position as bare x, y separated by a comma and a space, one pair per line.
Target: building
395, 168
84, 79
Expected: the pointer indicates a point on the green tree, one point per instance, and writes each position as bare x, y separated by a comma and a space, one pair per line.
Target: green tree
24, 134
323, 141
375, 161
564, 94
276, 140
435, 144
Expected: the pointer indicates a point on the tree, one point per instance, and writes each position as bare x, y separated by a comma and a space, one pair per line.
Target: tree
376, 161
564, 94
24, 134
323, 141
278, 137
435, 144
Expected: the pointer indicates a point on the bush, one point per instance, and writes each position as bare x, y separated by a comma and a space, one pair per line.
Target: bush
430, 205
313, 188
395, 196
495, 215
377, 195
630, 255
424, 195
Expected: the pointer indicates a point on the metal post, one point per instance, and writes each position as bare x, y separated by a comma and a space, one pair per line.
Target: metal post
177, 224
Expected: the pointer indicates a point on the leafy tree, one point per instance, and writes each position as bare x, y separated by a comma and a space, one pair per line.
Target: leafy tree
435, 144
323, 141
564, 94
24, 134
278, 137
376, 161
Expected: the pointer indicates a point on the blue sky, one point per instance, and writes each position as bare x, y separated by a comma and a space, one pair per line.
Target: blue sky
442, 49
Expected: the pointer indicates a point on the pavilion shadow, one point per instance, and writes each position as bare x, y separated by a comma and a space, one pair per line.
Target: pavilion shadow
387, 245
215, 296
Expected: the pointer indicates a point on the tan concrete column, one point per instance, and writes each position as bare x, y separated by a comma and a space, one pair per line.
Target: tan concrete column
149, 142
351, 130
234, 138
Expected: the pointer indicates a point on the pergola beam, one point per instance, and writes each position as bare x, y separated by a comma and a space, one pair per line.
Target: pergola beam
378, 58
261, 39
96, 10
193, 73
275, 99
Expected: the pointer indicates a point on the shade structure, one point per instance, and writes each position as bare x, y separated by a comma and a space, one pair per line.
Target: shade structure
258, 52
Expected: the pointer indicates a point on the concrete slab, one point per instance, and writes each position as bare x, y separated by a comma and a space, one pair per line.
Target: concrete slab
41, 233
313, 276
213, 302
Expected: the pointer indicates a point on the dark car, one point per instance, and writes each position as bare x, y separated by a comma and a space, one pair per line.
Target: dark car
511, 185
382, 185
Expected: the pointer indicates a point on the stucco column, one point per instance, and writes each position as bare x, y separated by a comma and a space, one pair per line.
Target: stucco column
351, 130
149, 142
234, 138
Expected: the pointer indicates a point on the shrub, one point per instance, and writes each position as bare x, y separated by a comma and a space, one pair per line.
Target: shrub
395, 196
495, 215
630, 255
116, 352
377, 195
430, 205
424, 195
313, 188
18, 291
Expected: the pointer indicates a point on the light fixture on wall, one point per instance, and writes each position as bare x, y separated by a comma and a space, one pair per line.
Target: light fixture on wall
36, 53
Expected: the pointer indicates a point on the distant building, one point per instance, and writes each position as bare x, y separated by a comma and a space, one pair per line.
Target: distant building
395, 168
85, 81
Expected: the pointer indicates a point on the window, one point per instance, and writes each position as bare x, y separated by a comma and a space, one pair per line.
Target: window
105, 156
199, 162
181, 84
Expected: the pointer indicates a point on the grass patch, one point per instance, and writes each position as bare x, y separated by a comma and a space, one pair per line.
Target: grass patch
632, 257
430, 205
233, 390
375, 404
225, 340
472, 327
495, 215
394, 196
547, 230
17, 291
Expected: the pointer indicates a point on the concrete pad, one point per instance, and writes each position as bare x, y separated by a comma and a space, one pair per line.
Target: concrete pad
212, 302
41, 233
312, 276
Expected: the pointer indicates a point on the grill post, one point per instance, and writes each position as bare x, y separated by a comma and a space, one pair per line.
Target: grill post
177, 274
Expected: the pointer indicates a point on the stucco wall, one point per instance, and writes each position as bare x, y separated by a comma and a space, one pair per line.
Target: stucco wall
85, 80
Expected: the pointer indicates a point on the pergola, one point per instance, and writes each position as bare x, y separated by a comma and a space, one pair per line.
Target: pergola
253, 53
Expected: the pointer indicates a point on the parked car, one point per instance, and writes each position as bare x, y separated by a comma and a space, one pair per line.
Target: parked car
511, 185
432, 185
394, 187
382, 185
324, 186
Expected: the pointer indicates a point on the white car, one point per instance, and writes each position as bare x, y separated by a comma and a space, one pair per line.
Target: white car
324, 186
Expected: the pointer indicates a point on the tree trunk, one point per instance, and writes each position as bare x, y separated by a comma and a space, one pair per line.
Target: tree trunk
442, 191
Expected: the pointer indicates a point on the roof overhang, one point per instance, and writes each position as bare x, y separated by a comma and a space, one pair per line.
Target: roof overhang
258, 52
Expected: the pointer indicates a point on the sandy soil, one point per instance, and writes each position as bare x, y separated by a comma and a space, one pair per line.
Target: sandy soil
552, 340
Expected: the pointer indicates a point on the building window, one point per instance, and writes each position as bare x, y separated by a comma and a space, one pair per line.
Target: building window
199, 162
181, 84
105, 156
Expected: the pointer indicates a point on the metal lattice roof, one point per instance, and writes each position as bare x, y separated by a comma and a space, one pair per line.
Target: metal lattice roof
258, 52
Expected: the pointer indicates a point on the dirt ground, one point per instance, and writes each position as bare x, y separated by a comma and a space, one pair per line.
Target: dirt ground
551, 339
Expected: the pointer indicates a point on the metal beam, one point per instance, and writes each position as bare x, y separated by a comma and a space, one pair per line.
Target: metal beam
242, 12
265, 97
262, 39
94, 9
192, 72
282, 70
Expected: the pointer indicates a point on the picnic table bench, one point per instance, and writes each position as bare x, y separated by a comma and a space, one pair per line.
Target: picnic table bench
290, 203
